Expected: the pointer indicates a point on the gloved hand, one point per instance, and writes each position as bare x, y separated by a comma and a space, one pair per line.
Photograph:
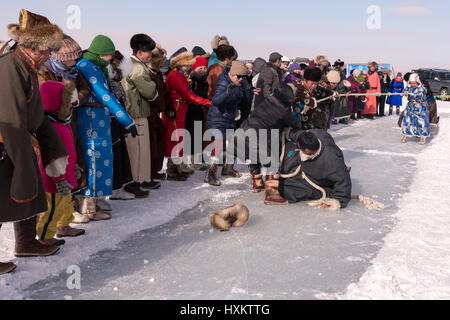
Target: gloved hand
171, 114
78, 171
63, 188
132, 130
74, 101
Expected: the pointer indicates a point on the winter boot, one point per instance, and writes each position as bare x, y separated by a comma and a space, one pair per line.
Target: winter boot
26, 243
150, 185
228, 170
423, 140
68, 231
53, 241
6, 267
271, 193
211, 175
172, 172
88, 208
135, 188
78, 217
256, 179
185, 169
397, 110
102, 205
403, 140
390, 110
121, 194
159, 176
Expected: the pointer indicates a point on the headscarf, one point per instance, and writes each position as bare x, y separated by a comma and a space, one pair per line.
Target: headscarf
60, 69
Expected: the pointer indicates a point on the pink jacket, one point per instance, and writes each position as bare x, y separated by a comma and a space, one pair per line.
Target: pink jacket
51, 94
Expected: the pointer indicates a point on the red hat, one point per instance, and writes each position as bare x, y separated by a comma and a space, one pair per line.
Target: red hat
311, 64
51, 95
199, 61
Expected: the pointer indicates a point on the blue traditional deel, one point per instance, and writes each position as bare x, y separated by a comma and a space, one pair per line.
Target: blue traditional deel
94, 130
416, 119
363, 67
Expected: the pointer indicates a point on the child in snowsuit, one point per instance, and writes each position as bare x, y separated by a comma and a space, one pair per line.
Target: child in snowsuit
59, 198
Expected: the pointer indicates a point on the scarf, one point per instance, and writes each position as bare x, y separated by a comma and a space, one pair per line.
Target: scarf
99, 62
60, 69
188, 78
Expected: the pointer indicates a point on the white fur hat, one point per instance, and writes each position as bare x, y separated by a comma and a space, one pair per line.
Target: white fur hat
334, 76
414, 77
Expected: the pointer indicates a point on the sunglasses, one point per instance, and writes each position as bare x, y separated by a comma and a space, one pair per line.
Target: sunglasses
239, 76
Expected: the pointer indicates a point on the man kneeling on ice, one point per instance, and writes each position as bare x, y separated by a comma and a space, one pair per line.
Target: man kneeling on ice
312, 168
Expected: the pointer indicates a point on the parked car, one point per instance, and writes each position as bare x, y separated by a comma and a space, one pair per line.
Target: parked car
439, 80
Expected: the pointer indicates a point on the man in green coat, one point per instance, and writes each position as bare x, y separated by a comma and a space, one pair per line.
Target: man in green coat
140, 90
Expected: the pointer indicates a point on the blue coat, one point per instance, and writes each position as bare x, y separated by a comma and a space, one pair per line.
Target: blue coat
94, 130
224, 106
395, 87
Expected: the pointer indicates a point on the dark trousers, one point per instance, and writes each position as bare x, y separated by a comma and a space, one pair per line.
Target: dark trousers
381, 101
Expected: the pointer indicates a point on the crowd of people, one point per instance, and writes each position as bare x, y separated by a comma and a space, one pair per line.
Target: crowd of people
78, 127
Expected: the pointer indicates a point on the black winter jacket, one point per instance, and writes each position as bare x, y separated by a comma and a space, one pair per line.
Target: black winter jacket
327, 169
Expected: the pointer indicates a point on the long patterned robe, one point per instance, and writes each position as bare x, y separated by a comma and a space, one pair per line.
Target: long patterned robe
416, 119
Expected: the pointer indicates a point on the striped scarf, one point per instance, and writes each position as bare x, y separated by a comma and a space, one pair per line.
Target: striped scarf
60, 69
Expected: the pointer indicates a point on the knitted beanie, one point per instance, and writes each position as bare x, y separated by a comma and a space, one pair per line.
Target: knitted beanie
199, 61
70, 50
238, 68
102, 45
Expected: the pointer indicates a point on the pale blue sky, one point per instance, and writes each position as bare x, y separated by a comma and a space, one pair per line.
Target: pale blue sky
414, 33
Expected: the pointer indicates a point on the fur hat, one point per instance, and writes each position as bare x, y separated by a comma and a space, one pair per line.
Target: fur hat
319, 58
4, 47
218, 41
234, 216
35, 31
226, 52
142, 42
158, 57
313, 74
414, 77
307, 140
355, 72
373, 64
338, 63
70, 50
302, 60
199, 51
237, 68
182, 59
333, 76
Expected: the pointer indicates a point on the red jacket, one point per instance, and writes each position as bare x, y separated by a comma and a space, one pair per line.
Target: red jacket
181, 94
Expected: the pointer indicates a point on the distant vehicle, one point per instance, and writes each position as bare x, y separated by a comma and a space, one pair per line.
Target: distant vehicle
439, 79
382, 67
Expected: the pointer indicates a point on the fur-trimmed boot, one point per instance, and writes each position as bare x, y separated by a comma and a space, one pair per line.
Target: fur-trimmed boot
390, 110
234, 216
228, 170
397, 110
173, 173
26, 243
271, 193
256, 180
211, 175
88, 208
